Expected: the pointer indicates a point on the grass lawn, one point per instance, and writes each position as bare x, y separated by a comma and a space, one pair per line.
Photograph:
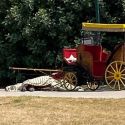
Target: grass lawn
61, 111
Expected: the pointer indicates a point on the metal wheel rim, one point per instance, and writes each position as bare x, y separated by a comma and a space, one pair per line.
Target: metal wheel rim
70, 81
115, 75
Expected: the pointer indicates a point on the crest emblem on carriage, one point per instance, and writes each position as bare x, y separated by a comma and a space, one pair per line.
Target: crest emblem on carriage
71, 59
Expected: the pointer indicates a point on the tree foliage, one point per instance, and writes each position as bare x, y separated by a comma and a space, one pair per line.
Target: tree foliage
113, 13
33, 32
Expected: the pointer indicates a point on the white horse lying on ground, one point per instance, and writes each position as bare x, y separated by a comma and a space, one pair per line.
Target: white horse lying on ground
42, 81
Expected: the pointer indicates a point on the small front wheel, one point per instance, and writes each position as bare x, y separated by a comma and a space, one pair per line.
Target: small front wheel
70, 81
93, 85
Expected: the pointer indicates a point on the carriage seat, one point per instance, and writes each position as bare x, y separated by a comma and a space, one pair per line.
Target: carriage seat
99, 59
97, 52
70, 56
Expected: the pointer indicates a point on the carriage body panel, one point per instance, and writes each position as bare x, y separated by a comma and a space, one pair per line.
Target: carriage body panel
118, 53
93, 59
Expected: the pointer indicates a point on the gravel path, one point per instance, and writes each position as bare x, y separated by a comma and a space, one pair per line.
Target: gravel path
103, 92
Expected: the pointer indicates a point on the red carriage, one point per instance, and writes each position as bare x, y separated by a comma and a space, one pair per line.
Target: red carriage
89, 64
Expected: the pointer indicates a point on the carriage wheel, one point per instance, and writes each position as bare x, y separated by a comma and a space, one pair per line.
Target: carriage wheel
115, 75
93, 85
70, 81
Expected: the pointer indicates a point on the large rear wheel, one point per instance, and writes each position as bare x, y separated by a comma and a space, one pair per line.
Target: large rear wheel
115, 75
70, 81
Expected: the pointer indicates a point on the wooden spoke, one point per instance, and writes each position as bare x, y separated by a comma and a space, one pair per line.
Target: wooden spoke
74, 80
117, 67
119, 88
122, 82
120, 67
109, 76
122, 78
113, 68
114, 84
72, 75
110, 72
122, 70
111, 81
